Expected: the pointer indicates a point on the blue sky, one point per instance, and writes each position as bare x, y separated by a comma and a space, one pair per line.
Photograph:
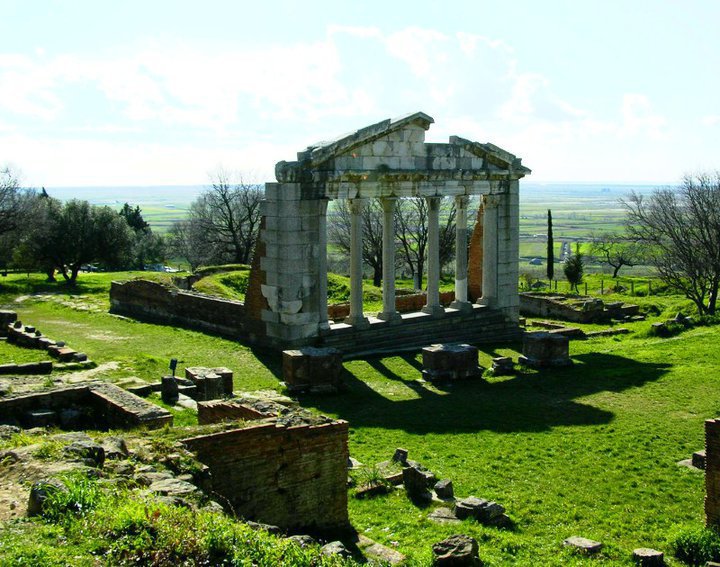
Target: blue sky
165, 92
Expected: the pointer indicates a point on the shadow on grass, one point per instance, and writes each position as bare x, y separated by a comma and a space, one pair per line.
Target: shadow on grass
526, 402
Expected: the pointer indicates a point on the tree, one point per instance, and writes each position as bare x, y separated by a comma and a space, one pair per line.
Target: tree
67, 236
185, 241
134, 218
224, 220
680, 230
147, 247
616, 251
411, 230
372, 218
573, 268
13, 204
550, 248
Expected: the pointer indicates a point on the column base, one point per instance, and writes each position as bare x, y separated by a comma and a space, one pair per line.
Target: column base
486, 301
463, 306
324, 326
434, 310
358, 322
390, 316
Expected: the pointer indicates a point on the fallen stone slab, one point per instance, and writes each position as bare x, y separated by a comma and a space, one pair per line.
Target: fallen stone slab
443, 516
482, 510
457, 551
335, 548
646, 557
418, 481
378, 552
173, 487
583, 545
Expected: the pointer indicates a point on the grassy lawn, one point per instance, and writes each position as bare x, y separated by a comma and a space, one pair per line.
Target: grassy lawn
589, 450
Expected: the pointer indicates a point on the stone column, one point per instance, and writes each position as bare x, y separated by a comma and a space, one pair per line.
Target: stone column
432, 305
461, 256
322, 265
389, 313
490, 256
356, 317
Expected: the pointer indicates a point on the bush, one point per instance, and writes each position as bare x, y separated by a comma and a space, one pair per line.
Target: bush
696, 546
80, 497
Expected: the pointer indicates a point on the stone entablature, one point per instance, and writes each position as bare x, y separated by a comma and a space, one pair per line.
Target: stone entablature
386, 161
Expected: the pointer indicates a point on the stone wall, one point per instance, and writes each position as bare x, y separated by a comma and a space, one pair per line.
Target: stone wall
292, 477
155, 302
104, 406
712, 472
217, 411
575, 310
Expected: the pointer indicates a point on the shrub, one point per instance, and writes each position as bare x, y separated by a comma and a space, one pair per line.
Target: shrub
697, 545
80, 497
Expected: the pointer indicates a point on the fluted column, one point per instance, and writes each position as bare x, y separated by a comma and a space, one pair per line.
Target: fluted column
490, 250
461, 255
356, 317
389, 313
432, 305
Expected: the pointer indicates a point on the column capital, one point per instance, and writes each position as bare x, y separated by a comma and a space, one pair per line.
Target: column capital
491, 200
434, 201
356, 205
461, 201
388, 203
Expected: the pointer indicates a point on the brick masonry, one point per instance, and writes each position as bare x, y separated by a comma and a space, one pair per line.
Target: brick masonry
217, 411
291, 477
475, 259
712, 472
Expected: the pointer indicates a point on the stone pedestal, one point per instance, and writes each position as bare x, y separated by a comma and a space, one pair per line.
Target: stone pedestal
313, 369
169, 391
210, 383
545, 350
7, 318
450, 362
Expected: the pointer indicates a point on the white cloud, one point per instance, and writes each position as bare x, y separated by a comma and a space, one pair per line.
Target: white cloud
710, 120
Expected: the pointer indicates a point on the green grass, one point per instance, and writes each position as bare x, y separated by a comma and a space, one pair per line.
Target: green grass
589, 450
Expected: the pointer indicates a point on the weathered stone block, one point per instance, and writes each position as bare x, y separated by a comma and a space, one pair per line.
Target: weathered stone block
7, 318
313, 369
169, 390
503, 366
456, 551
450, 361
444, 489
646, 557
583, 545
418, 481
542, 350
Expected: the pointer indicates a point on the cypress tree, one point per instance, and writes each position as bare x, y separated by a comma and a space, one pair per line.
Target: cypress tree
550, 249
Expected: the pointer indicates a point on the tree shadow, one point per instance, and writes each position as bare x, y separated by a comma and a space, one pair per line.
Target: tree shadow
529, 402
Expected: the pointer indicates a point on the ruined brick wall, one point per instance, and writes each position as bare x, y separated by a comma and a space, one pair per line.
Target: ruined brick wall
712, 472
156, 302
403, 304
475, 259
292, 477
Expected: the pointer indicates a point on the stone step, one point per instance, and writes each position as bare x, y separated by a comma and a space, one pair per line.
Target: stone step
413, 334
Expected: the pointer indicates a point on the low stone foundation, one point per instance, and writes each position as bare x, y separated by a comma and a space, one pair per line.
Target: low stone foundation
574, 309
6, 318
217, 411
95, 405
291, 476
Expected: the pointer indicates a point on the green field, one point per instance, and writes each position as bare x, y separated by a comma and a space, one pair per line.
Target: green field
590, 450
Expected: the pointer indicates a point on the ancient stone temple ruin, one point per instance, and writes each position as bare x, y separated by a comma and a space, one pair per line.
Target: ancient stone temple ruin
387, 161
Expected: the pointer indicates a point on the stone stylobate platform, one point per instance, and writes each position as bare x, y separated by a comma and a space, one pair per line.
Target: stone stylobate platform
388, 161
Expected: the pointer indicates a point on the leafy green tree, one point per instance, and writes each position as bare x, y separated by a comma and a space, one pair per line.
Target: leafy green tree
147, 247
550, 248
67, 236
573, 268
134, 218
